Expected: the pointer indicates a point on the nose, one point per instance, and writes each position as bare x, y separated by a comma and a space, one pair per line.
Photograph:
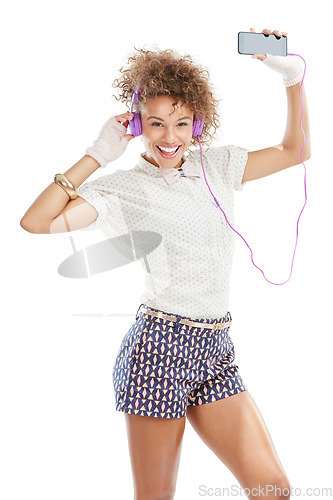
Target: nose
169, 134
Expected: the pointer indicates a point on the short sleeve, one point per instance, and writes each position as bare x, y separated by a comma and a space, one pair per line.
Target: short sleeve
229, 162
101, 194
237, 159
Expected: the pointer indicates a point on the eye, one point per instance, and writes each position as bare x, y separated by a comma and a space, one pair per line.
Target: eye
158, 123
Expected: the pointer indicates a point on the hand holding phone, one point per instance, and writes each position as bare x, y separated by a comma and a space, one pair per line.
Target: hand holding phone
272, 49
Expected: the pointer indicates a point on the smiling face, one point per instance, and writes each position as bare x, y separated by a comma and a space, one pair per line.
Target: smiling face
166, 130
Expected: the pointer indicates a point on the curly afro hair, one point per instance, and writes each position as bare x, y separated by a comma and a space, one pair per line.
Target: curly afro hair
166, 72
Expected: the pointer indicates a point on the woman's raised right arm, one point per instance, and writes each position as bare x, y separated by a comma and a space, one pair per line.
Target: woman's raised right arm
53, 211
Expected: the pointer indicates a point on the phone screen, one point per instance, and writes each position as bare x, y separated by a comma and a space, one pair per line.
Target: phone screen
259, 43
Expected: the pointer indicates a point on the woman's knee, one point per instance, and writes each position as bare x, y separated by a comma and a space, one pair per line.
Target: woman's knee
150, 495
278, 487
283, 487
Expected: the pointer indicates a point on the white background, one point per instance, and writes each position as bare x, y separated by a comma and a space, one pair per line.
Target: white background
61, 436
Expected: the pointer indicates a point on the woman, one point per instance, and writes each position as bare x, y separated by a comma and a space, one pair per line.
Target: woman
177, 359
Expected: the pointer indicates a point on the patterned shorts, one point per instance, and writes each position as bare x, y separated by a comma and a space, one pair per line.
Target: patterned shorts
168, 362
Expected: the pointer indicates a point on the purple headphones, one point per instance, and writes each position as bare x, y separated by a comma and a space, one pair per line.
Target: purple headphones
136, 125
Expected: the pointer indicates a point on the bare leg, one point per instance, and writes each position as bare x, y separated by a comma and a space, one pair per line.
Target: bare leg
234, 430
155, 448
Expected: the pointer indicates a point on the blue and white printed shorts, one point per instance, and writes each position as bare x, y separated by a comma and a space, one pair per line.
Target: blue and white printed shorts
167, 362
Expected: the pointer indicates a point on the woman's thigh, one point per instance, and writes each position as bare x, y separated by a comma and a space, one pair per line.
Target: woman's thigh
155, 449
235, 431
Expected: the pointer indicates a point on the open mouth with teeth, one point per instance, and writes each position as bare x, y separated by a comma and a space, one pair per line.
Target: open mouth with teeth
168, 152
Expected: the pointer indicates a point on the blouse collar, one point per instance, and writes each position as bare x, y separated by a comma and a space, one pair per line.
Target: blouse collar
153, 169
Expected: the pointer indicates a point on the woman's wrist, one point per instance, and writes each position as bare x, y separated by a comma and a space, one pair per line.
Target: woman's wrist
83, 169
289, 66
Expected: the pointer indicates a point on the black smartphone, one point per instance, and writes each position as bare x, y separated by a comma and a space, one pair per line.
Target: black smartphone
258, 43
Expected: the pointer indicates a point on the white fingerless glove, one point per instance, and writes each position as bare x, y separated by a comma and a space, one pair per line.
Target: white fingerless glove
290, 67
110, 143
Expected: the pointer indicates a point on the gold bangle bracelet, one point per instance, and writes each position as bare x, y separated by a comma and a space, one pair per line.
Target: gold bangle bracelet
66, 185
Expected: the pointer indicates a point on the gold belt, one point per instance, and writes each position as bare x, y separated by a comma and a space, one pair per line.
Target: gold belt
184, 321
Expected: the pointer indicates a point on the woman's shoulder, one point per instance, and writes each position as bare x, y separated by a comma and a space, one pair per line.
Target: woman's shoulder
215, 154
218, 153
228, 161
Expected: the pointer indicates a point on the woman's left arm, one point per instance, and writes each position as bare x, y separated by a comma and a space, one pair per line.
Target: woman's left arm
288, 153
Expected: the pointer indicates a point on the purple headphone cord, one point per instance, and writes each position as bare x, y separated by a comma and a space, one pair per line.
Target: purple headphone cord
300, 124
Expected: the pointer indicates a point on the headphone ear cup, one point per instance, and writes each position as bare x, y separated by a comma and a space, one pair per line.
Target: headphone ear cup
198, 125
136, 125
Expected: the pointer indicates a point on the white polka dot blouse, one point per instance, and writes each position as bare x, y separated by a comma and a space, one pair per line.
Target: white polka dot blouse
188, 272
